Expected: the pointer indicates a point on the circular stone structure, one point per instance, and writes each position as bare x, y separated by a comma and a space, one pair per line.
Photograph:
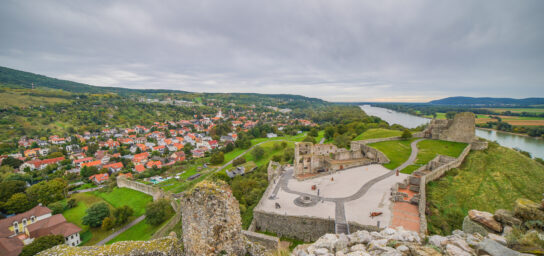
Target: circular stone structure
305, 201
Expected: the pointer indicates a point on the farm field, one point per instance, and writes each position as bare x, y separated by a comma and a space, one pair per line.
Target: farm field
487, 180
518, 110
378, 133
398, 151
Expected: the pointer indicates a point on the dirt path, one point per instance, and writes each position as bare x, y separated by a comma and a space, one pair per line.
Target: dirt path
123, 229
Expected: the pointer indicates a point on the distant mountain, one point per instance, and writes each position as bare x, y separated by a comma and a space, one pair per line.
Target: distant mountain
486, 101
24, 79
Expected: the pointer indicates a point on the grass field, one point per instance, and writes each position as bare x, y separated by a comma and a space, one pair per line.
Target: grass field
21, 98
487, 180
398, 151
429, 149
378, 133
124, 196
139, 232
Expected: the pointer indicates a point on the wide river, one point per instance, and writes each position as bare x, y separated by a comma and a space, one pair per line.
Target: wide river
532, 145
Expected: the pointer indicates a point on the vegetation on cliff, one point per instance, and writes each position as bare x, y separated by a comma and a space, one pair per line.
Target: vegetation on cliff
487, 180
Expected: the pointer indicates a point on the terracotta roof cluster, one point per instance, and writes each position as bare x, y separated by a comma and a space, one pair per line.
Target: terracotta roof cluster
54, 225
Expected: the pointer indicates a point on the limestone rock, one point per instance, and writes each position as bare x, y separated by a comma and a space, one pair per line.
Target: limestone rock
528, 210
497, 238
358, 248
211, 221
437, 240
321, 251
403, 249
486, 219
506, 217
358, 253
361, 236
471, 227
341, 243
493, 248
452, 250
474, 239
418, 250
458, 242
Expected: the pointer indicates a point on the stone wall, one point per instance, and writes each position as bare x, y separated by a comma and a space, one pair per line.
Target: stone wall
461, 128
435, 174
155, 192
304, 228
271, 243
274, 170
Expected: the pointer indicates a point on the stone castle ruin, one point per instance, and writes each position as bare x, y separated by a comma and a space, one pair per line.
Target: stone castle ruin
312, 159
462, 128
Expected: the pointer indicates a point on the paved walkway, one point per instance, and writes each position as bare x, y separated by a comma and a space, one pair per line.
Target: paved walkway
340, 214
123, 229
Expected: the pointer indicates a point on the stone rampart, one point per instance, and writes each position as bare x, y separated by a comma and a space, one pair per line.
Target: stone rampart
271, 243
304, 228
435, 174
155, 192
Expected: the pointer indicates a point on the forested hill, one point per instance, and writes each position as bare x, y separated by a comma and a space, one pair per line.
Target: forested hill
486, 101
24, 79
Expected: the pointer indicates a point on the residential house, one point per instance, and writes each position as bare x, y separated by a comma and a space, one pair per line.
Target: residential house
96, 163
139, 168
79, 162
150, 164
197, 153
115, 167
99, 178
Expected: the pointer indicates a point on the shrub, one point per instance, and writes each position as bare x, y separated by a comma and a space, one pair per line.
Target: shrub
217, 158
56, 207
122, 214
258, 152
107, 224
406, 134
157, 212
238, 161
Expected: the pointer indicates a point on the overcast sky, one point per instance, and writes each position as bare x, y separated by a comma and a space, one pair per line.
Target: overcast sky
334, 50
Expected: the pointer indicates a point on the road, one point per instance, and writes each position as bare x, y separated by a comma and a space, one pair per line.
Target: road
121, 230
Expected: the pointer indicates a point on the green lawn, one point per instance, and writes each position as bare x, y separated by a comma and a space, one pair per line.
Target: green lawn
139, 232
378, 133
125, 196
487, 180
398, 151
429, 149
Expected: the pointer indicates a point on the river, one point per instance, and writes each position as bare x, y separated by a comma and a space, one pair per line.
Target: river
532, 145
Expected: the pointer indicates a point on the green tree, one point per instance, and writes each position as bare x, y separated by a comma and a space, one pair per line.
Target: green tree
87, 172
258, 152
450, 114
107, 224
217, 158
157, 212
96, 214
329, 133
18, 203
56, 207
10, 187
42, 243
341, 141
288, 155
406, 134
13, 162
47, 192
239, 160
71, 203
309, 139
313, 132
122, 214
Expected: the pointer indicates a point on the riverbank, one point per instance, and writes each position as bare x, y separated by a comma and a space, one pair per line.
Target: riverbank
512, 133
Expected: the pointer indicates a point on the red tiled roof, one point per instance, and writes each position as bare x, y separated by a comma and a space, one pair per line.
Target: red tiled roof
54, 225
11, 246
118, 165
36, 211
139, 168
100, 177
93, 163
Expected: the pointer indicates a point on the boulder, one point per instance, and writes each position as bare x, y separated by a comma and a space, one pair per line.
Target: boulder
497, 238
437, 240
493, 248
403, 249
474, 239
419, 250
342, 243
358, 248
361, 236
453, 250
486, 219
321, 251
471, 227
358, 253
528, 210
506, 217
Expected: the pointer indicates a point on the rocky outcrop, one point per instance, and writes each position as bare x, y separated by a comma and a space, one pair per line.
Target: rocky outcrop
486, 219
158, 247
506, 217
211, 222
471, 227
528, 210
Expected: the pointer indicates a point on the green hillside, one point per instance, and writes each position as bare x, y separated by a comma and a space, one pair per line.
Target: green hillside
487, 180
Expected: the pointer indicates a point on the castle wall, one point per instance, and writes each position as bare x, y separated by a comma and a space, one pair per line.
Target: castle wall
155, 192
271, 243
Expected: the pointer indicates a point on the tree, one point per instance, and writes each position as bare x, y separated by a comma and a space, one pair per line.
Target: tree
341, 141
47, 192
71, 203
329, 133
313, 132
406, 134
157, 212
217, 158
258, 152
56, 207
96, 214
13, 162
122, 214
10, 187
18, 203
450, 114
87, 172
309, 139
42, 243
238, 161
288, 155
107, 224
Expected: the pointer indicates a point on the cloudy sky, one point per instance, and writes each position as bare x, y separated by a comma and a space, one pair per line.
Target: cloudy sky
335, 50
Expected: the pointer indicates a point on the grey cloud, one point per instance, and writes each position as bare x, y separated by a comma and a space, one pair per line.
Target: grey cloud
335, 50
